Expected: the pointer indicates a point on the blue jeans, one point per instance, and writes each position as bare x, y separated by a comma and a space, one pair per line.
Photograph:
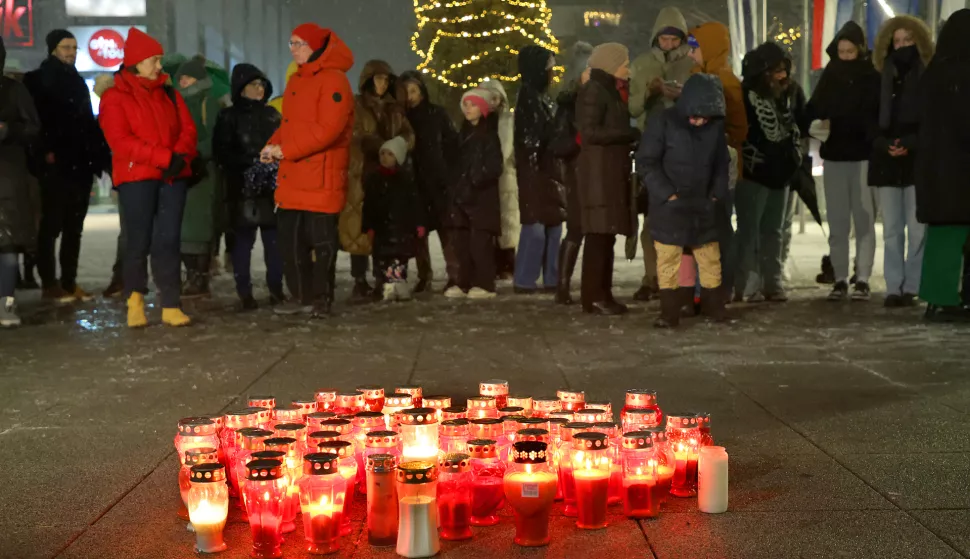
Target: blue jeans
538, 253
153, 226
9, 266
242, 256
902, 265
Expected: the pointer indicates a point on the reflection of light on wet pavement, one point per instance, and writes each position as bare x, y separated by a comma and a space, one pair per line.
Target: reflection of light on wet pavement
88, 325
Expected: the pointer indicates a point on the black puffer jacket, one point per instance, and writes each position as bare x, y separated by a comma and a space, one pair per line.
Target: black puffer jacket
70, 130
541, 198
241, 132
565, 149
943, 160
678, 159
436, 143
393, 211
473, 200
847, 96
21, 130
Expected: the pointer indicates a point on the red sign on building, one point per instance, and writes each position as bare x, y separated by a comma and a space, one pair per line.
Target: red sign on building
17, 22
107, 48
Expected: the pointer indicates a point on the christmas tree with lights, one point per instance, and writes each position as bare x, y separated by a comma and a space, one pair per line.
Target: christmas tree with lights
462, 43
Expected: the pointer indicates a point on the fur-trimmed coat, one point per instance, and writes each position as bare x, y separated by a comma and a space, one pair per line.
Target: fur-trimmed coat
508, 186
376, 120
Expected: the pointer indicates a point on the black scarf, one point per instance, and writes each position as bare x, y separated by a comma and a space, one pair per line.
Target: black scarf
841, 90
906, 64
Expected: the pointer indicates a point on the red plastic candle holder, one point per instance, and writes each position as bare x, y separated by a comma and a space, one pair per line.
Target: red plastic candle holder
373, 397
454, 412
453, 436
249, 441
482, 407
455, 497
290, 414
530, 488
266, 491
641, 399
524, 402
262, 401
684, 436
642, 491
415, 392
208, 503
322, 493
325, 397
382, 502
496, 388
487, 472
193, 457
394, 404
572, 400
419, 435
542, 407
591, 470
347, 466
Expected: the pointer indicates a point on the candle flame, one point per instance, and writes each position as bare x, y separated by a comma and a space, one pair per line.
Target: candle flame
323, 501
639, 471
528, 468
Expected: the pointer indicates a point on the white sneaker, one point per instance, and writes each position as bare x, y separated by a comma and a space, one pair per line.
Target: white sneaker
479, 293
8, 313
390, 294
455, 292
402, 291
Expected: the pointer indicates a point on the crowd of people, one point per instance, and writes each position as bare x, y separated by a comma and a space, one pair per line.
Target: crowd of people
321, 170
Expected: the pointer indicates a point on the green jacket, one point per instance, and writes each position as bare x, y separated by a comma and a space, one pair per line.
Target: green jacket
655, 63
203, 207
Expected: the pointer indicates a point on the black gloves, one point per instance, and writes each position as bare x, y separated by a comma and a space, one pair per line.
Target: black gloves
175, 166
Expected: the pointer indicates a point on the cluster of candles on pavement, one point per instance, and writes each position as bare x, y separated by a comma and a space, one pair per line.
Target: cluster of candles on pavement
431, 470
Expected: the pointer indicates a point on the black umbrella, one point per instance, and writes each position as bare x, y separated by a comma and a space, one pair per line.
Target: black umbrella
635, 194
803, 183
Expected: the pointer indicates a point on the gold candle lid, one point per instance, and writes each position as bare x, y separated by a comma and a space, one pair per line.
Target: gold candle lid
482, 448
418, 472
195, 456
454, 463
381, 463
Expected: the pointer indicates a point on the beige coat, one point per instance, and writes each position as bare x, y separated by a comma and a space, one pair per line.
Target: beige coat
508, 189
673, 65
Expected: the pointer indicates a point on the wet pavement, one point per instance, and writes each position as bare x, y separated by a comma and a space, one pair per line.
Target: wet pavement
847, 424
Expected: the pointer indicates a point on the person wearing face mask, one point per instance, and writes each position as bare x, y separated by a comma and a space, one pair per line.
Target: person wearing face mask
74, 152
847, 97
379, 115
902, 50
153, 142
435, 140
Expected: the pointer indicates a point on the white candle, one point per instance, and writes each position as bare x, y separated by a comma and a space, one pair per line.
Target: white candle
417, 534
209, 519
712, 480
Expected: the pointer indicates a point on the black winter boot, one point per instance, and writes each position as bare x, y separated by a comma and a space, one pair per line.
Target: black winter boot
362, 292
712, 304
568, 253
196, 276
670, 305
686, 295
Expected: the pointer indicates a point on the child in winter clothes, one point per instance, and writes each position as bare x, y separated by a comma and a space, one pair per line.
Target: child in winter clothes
683, 159
474, 218
393, 218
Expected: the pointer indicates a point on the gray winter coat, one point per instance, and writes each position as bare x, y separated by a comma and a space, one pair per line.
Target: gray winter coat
691, 162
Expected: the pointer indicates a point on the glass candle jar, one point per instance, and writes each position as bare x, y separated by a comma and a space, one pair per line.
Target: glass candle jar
235, 420
306, 407
322, 491
604, 405
638, 420
510, 424
683, 436
417, 531
419, 435
343, 426
492, 429
453, 436
487, 473
348, 403
382, 502
264, 418
591, 473
382, 442
524, 402
566, 416
641, 399
531, 435
437, 403
265, 492
262, 401
664, 455
393, 404
193, 457
292, 472
642, 492
325, 397
251, 440
482, 407
373, 397
591, 415
415, 392
195, 432
616, 466
496, 388
220, 421
315, 438
511, 411
530, 488
208, 502
454, 497
295, 431
290, 414
572, 400
542, 407
704, 425
454, 412
365, 422
347, 467
244, 478
313, 420
566, 483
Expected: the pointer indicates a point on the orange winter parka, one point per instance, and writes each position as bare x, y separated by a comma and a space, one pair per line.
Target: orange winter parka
318, 120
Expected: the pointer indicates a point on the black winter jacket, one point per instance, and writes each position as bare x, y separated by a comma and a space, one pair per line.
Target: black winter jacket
943, 160
565, 149
541, 197
678, 159
898, 120
393, 211
436, 143
847, 95
240, 133
70, 130
18, 231
473, 198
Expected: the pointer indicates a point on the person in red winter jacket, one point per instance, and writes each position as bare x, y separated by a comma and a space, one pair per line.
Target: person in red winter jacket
153, 142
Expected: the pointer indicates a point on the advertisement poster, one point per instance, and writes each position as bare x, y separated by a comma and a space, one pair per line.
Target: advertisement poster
100, 48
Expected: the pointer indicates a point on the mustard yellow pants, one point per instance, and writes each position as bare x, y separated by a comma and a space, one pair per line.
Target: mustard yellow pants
708, 259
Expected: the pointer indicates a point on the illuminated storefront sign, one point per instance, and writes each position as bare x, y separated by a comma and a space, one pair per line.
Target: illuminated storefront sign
17, 22
106, 8
101, 48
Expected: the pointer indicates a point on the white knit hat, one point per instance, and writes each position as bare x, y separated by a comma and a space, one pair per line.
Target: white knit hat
399, 147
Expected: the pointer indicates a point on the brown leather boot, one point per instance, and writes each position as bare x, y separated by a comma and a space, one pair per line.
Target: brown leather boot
670, 305
712, 304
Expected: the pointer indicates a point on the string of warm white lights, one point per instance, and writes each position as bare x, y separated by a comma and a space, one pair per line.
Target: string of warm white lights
524, 22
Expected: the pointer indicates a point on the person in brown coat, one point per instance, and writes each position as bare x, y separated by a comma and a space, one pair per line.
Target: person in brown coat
379, 115
603, 120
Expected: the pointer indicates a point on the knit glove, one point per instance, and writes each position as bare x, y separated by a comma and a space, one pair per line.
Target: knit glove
175, 166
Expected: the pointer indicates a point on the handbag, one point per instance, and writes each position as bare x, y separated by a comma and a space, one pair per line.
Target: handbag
259, 180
